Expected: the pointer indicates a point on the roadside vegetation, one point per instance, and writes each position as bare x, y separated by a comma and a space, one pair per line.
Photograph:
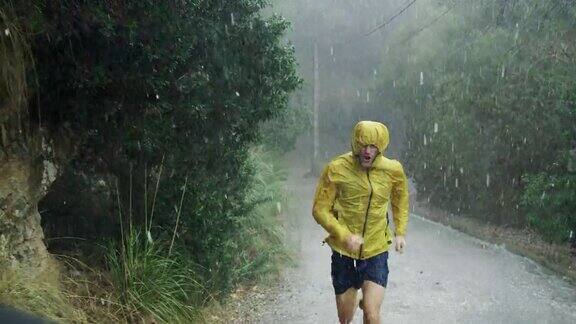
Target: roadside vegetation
486, 89
169, 120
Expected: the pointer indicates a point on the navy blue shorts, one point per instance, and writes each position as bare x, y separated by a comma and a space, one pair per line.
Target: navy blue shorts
348, 272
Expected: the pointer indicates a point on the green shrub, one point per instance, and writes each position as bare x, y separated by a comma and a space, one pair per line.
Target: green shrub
136, 84
550, 204
485, 102
280, 133
251, 244
149, 281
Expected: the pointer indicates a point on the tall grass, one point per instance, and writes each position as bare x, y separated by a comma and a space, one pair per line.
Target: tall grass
151, 279
16, 63
149, 282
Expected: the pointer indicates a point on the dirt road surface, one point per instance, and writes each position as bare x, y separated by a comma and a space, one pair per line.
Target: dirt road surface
443, 277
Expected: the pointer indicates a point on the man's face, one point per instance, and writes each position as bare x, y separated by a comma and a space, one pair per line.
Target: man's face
367, 155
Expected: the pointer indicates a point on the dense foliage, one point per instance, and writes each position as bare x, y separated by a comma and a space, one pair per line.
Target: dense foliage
487, 89
161, 92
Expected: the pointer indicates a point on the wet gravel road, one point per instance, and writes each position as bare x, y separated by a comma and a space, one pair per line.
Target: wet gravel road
443, 277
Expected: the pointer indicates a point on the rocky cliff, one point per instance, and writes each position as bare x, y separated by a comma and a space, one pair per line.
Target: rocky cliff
26, 172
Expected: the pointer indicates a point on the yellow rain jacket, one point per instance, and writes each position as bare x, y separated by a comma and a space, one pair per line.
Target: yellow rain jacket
352, 200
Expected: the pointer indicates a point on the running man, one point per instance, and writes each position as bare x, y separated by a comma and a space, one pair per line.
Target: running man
351, 204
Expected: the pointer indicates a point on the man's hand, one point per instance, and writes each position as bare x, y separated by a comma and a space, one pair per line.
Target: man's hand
400, 243
353, 242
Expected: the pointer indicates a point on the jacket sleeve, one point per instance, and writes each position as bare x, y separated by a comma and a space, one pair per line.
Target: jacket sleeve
323, 211
400, 201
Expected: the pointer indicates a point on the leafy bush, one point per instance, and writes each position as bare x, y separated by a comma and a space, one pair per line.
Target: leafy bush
280, 133
262, 245
249, 244
487, 95
550, 202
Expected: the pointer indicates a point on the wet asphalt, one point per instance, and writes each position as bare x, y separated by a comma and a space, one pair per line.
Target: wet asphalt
444, 276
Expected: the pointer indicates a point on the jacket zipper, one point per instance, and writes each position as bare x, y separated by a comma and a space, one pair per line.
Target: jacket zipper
367, 210
386, 229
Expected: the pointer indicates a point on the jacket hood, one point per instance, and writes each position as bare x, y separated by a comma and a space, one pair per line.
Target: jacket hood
369, 133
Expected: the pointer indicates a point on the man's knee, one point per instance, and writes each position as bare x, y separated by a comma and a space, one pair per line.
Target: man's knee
371, 314
371, 310
346, 304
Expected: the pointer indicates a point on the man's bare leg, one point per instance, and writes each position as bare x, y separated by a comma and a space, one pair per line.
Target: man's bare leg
373, 295
346, 304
